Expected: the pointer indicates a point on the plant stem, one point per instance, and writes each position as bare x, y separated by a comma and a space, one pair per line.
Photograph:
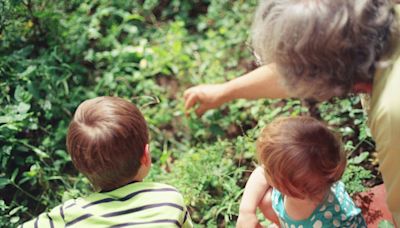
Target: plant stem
25, 192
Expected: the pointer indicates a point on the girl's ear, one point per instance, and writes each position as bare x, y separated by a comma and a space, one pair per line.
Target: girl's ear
146, 157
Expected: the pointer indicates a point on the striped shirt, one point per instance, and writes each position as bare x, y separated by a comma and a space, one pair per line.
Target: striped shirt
139, 204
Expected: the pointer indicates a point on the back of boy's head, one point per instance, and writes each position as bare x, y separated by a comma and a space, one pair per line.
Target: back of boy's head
106, 140
301, 156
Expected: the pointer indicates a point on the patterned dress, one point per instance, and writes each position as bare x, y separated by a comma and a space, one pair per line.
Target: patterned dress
336, 210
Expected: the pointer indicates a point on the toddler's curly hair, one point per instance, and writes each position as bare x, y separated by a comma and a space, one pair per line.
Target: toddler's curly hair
301, 157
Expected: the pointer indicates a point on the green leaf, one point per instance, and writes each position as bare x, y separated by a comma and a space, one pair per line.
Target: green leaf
3, 206
23, 107
358, 159
21, 95
5, 119
4, 182
14, 175
135, 17
15, 210
28, 71
385, 224
14, 219
40, 153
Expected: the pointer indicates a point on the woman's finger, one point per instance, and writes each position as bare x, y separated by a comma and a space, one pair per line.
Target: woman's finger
191, 100
187, 93
201, 110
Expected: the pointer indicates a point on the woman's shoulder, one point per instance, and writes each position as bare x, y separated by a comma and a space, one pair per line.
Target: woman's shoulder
385, 99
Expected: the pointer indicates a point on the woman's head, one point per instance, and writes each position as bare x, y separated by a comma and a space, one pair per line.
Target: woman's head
301, 156
323, 47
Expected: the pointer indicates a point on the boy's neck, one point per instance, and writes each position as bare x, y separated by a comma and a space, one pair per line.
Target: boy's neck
120, 186
299, 209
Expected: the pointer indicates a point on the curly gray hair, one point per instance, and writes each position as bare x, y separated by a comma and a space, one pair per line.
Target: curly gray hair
323, 47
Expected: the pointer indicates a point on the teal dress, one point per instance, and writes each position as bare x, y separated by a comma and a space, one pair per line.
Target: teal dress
337, 210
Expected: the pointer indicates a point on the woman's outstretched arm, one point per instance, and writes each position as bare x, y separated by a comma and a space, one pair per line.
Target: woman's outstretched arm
263, 82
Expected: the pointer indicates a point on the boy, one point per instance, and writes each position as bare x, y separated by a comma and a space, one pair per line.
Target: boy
108, 142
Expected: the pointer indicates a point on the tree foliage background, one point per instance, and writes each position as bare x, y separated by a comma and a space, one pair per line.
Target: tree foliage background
55, 54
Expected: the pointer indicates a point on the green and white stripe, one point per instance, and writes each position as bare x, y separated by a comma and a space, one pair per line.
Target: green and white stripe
139, 204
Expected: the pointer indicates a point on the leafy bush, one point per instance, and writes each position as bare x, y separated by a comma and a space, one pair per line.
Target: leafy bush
207, 177
355, 174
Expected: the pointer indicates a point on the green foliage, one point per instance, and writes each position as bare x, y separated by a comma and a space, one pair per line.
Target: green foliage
55, 54
207, 177
354, 178
385, 224
355, 175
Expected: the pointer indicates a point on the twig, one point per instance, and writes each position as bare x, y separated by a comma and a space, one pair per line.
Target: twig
23, 191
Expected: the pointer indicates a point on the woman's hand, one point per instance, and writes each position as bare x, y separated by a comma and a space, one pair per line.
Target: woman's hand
207, 96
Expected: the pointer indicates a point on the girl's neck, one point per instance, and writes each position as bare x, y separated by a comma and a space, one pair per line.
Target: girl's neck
300, 209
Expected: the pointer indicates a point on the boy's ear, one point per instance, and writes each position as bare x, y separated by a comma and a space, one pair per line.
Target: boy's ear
146, 157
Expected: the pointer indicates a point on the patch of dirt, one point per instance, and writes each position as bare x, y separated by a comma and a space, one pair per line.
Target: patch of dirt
171, 85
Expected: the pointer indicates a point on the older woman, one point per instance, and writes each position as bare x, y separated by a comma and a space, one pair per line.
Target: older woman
320, 49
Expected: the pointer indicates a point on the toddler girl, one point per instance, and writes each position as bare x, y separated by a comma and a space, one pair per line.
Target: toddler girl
298, 182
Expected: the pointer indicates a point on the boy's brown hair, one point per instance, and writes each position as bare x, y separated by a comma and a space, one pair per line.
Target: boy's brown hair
301, 156
106, 140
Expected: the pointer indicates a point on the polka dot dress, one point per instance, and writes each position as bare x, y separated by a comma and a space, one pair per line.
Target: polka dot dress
337, 210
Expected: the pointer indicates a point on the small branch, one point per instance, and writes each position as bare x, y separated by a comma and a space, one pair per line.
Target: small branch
25, 192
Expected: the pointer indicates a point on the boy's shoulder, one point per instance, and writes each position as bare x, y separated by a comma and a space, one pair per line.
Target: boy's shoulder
132, 192
126, 201
156, 185
136, 188
154, 190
